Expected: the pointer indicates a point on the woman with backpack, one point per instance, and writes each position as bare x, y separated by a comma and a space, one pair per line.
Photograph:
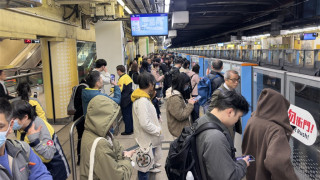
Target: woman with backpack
178, 111
194, 76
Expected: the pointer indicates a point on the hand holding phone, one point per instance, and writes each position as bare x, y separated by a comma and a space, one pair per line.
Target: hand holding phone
251, 158
197, 98
112, 78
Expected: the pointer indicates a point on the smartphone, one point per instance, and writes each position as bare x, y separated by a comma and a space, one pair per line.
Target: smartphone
197, 98
251, 158
112, 78
132, 148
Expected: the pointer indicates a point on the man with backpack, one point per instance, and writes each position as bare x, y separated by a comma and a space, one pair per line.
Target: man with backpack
208, 146
210, 83
17, 160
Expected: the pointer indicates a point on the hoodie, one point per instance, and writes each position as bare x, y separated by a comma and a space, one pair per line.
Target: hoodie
178, 112
266, 137
147, 128
89, 93
109, 162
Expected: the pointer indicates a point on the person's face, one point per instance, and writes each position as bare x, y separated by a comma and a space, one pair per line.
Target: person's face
151, 90
149, 61
232, 117
4, 125
233, 81
100, 83
3, 76
119, 73
23, 122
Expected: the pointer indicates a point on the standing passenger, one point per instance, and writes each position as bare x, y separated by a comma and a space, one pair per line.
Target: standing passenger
40, 135
18, 152
4, 93
194, 75
101, 66
125, 84
146, 125
266, 137
178, 112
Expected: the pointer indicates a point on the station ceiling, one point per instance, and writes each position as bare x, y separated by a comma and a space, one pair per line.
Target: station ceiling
212, 21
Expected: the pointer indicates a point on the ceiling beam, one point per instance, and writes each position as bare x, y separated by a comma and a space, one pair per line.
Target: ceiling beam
230, 2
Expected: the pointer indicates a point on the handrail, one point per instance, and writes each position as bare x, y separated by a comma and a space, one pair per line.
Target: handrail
73, 159
23, 75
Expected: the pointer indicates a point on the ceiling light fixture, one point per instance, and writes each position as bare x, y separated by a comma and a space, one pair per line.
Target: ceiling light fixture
121, 2
128, 10
166, 6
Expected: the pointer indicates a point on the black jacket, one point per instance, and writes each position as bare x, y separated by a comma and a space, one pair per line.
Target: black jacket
3, 94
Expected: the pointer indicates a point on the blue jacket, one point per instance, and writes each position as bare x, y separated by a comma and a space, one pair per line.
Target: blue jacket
88, 94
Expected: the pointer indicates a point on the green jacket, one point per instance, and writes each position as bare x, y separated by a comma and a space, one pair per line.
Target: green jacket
109, 161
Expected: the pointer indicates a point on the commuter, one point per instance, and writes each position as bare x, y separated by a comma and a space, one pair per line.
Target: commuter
3, 89
79, 112
174, 71
231, 82
146, 125
27, 164
185, 66
266, 137
134, 74
178, 112
216, 79
144, 66
194, 76
101, 66
158, 87
110, 161
125, 84
149, 64
40, 135
94, 80
215, 148
24, 93
165, 68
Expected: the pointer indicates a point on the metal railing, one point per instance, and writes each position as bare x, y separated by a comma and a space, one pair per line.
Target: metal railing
73, 157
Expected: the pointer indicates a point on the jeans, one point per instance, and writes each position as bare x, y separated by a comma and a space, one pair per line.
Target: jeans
127, 118
142, 175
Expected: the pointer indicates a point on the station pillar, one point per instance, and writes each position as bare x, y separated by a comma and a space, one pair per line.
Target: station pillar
60, 74
144, 46
110, 45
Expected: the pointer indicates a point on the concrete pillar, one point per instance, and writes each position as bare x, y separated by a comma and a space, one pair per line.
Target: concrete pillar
60, 74
151, 47
110, 45
143, 46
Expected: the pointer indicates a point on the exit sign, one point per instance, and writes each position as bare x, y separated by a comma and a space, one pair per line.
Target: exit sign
31, 41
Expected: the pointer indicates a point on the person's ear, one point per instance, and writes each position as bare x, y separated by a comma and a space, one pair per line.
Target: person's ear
11, 126
229, 112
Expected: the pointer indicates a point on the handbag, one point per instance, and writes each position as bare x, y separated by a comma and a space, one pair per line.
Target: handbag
143, 158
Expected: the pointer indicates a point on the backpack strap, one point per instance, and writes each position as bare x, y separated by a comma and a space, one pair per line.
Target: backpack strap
92, 153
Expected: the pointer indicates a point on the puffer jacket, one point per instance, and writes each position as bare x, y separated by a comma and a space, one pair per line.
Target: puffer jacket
178, 112
147, 128
109, 162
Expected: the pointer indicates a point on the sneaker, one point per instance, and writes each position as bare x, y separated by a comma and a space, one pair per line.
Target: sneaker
155, 170
156, 165
125, 133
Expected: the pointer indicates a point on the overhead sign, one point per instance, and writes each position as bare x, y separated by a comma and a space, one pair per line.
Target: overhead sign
306, 129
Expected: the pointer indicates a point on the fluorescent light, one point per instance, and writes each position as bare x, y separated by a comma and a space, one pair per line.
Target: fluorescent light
121, 2
127, 9
167, 6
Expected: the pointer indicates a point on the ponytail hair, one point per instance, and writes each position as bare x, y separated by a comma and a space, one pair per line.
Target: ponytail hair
24, 90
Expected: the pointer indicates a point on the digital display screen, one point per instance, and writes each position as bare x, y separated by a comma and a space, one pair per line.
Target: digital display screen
310, 36
149, 24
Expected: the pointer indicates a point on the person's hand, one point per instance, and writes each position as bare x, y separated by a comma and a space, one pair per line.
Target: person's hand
191, 101
114, 83
128, 153
246, 159
32, 129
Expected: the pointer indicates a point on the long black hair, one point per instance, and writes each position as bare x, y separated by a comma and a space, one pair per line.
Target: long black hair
24, 91
178, 83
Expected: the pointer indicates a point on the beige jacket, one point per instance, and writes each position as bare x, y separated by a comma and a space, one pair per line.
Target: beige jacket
147, 128
178, 112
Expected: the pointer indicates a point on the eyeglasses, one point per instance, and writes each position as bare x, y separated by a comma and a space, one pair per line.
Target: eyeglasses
235, 80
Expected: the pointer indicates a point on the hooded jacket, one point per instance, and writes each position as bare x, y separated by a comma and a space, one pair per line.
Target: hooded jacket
266, 137
89, 93
109, 162
147, 128
178, 112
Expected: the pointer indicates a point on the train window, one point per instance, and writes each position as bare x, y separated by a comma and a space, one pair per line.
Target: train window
306, 158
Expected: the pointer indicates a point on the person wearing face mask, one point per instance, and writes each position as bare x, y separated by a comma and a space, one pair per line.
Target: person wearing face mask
178, 112
17, 160
40, 135
146, 125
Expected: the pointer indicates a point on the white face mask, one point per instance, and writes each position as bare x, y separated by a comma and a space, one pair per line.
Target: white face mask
3, 136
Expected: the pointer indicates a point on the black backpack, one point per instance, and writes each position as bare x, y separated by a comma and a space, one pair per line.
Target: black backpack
182, 156
169, 76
